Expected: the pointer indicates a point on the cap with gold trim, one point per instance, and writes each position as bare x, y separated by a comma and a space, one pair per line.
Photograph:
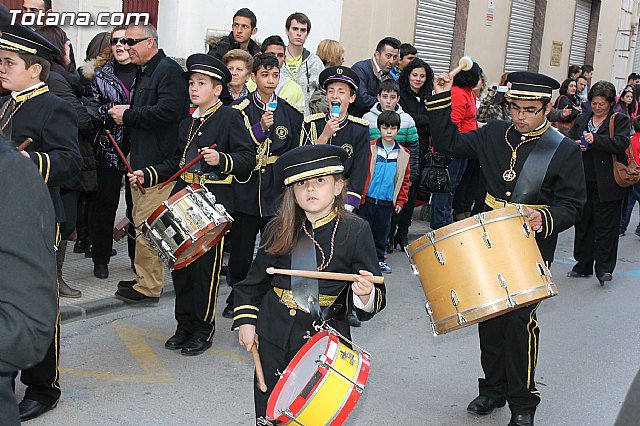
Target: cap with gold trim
20, 39
339, 73
530, 86
208, 65
310, 161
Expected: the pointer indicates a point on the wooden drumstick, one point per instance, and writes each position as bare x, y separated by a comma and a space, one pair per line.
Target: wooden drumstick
464, 64
24, 145
335, 276
186, 167
259, 373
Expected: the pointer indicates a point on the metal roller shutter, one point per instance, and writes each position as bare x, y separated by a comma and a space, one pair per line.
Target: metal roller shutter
519, 36
434, 32
578, 50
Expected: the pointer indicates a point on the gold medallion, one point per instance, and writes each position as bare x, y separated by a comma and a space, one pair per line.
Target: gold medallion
509, 175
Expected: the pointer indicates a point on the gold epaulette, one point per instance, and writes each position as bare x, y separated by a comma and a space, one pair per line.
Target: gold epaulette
359, 120
296, 107
314, 117
242, 105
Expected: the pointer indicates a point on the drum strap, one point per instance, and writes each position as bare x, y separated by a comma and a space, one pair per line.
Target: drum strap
305, 290
529, 182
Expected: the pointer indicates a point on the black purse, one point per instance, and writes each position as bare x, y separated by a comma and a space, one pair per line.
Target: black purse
434, 175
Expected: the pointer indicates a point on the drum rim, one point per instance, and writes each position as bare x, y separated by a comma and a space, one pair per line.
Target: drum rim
495, 302
172, 200
204, 231
413, 252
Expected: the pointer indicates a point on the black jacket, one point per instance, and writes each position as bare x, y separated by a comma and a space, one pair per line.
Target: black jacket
598, 161
417, 110
219, 46
28, 288
160, 102
367, 89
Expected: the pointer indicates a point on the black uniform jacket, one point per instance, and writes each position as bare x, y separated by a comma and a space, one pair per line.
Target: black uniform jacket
353, 136
159, 103
28, 287
257, 303
257, 191
598, 160
52, 123
220, 125
563, 187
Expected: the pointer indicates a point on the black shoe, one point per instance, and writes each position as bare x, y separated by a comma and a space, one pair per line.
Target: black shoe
228, 311
353, 320
178, 340
574, 274
521, 420
484, 405
30, 409
126, 284
129, 295
604, 277
195, 346
101, 270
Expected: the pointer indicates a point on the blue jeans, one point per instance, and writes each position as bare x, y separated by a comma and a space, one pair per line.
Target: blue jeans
632, 196
442, 204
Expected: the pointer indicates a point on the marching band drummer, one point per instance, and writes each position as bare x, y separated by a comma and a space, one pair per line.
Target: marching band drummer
529, 163
311, 231
196, 285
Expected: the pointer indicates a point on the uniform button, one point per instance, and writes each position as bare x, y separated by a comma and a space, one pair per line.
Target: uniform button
508, 193
292, 312
199, 133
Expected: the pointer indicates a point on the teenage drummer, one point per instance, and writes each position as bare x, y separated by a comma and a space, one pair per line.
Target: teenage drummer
196, 285
526, 162
311, 231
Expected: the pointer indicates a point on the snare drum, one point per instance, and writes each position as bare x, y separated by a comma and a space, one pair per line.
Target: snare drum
186, 226
479, 268
321, 384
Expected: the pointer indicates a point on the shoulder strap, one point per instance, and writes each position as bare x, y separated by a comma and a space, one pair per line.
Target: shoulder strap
535, 168
611, 124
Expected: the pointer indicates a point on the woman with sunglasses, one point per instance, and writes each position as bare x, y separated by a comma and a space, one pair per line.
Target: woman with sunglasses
112, 78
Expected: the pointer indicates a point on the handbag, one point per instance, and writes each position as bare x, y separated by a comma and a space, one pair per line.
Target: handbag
624, 175
434, 175
562, 126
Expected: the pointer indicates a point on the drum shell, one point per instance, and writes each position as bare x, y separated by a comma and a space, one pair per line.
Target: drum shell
476, 270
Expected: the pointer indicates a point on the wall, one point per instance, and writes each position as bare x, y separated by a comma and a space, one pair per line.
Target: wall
558, 27
183, 25
488, 44
365, 22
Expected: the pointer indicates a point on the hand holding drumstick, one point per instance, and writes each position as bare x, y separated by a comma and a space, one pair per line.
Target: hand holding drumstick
249, 339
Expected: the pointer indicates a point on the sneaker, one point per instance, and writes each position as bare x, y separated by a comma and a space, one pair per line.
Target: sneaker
386, 269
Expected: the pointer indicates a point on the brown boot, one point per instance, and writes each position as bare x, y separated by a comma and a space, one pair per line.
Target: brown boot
63, 288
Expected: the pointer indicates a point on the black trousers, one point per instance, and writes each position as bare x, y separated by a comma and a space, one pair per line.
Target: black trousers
509, 352
70, 205
400, 223
103, 213
379, 218
596, 237
8, 403
196, 288
244, 230
469, 196
42, 380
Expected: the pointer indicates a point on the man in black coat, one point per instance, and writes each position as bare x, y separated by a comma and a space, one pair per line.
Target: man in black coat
530, 163
243, 27
159, 103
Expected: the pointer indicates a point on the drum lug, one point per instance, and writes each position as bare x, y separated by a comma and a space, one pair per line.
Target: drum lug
433, 328
485, 235
525, 225
503, 283
307, 335
456, 300
431, 236
430, 313
414, 269
546, 275
287, 413
261, 421
279, 374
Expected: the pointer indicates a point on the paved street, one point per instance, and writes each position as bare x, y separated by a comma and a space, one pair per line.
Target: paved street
115, 370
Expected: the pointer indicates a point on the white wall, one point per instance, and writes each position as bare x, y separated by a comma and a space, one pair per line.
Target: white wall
182, 28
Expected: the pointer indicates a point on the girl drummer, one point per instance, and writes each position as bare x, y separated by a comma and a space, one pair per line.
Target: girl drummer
311, 214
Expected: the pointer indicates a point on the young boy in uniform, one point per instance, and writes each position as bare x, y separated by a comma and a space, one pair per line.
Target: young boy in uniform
196, 285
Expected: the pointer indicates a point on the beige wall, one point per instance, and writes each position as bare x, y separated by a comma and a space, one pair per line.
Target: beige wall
603, 61
365, 22
488, 44
558, 26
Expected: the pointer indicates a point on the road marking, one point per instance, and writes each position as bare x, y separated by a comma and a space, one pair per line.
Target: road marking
135, 339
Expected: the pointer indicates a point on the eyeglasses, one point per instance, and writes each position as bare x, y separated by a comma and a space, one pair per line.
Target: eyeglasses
134, 41
527, 112
121, 40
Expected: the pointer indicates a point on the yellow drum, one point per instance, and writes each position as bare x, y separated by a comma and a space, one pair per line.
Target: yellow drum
479, 268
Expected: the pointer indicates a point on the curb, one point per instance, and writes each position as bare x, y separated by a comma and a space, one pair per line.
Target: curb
98, 307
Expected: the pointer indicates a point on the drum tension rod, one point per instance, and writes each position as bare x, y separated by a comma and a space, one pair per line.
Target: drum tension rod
431, 236
525, 225
412, 264
503, 283
485, 235
286, 412
322, 360
456, 300
546, 276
